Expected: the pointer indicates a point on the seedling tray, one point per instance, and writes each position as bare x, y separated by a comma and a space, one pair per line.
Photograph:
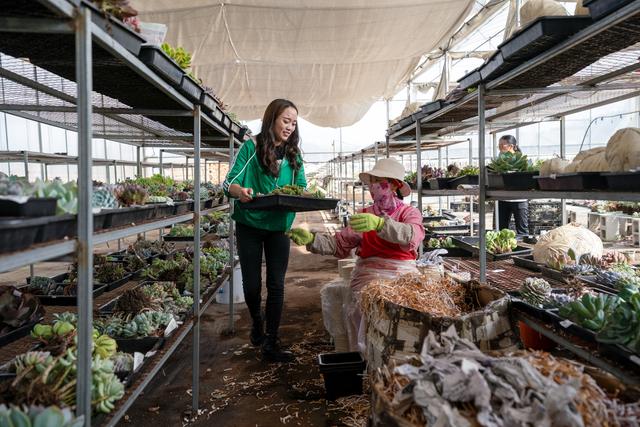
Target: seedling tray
140, 345
464, 180
495, 181
68, 300
181, 207
127, 216
18, 333
180, 238
497, 66
161, 63
115, 285
208, 102
573, 182
162, 209
540, 35
284, 203
553, 274
439, 183
527, 262
33, 207
432, 107
17, 233
471, 244
623, 181
190, 88
426, 219
471, 80
520, 181
453, 252
128, 38
600, 8
592, 283
107, 309
445, 228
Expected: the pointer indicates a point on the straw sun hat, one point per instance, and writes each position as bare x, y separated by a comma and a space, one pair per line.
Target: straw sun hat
387, 168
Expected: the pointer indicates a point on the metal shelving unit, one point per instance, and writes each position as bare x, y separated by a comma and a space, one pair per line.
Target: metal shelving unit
70, 56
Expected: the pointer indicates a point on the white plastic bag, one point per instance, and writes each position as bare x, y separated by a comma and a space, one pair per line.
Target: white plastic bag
153, 33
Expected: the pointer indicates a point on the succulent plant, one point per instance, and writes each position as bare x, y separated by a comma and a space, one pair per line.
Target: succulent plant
38, 416
45, 286
103, 198
148, 248
613, 258
535, 291
500, 242
180, 196
590, 311
558, 260
510, 162
578, 269
65, 193
167, 270
133, 263
122, 362
588, 259
608, 278
469, 170
12, 186
148, 323
133, 301
18, 308
128, 194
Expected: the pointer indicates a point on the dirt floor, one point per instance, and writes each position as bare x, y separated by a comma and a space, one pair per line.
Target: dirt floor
236, 387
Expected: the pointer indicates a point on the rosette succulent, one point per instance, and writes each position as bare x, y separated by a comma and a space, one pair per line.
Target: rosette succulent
128, 194
103, 198
535, 291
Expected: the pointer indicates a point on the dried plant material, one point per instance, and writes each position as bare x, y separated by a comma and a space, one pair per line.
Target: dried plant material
439, 297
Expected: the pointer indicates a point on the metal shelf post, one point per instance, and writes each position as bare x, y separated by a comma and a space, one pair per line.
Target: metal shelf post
419, 172
482, 183
197, 123
232, 245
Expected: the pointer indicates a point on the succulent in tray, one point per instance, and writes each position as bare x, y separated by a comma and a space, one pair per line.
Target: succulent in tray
133, 263
613, 258
181, 230
510, 162
623, 325
590, 260
157, 185
146, 324
169, 298
608, 278
180, 196
122, 362
103, 198
65, 193
39, 416
107, 271
12, 186
43, 379
289, 190
578, 269
45, 286
17, 309
501, 242
558, 259
535, 291
148, 248
452, 170
129, 193
167, 270
120, 9
178, 54
469, 170
441, 242
135, 300
590, 311
159, 199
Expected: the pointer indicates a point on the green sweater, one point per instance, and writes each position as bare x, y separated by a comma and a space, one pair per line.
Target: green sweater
247, 172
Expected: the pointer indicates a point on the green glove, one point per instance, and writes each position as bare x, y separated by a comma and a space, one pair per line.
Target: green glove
364, 222
300, 236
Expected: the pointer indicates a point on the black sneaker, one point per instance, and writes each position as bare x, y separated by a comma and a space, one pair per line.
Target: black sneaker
271, 352
257, 334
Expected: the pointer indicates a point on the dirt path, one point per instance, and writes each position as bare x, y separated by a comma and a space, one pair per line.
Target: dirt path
236, 388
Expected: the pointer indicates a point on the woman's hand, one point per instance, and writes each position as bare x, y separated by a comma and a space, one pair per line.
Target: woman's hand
245, 195
364, 222
300, 236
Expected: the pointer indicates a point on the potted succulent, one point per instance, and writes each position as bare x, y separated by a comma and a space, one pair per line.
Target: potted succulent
519, 170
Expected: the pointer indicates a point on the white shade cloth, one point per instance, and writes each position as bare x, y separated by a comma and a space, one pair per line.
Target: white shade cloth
332, 58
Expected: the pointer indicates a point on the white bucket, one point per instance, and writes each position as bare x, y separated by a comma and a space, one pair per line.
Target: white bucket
222, 296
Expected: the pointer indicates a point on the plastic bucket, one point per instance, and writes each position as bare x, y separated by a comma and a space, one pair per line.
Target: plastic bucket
534, 340
222, 296
342, 373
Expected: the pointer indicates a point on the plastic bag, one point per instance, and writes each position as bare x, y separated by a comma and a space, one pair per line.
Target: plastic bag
368, 270
334, 296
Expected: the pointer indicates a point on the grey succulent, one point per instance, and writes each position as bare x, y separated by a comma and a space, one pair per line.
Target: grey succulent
535, 291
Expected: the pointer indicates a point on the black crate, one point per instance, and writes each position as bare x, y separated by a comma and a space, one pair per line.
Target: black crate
342, 373
190, 88
284, 203
59, 227
527, 262
434, 106
115, 285
452, 252
464, 180
601, 8
540, 35
161, 63
470, 80
553, 274
622, 181
497, 66
33, 207
180, 207
18, 333
128, 216
573, 182
162, 209
17, 233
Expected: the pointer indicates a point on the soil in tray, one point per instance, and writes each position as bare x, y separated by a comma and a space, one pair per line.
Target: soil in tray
464, 180
284, 203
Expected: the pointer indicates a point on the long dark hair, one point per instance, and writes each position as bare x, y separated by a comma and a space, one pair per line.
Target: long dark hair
512, 141
266, 150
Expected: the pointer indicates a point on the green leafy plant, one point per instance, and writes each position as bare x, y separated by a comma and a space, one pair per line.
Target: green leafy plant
65, 193
167, 270
501, 242
441, 242
590, 311
510, 162
469, 170
178, 54
157, 185
623, 326
181, 230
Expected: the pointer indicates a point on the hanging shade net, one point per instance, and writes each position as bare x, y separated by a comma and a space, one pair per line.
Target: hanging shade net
332, 58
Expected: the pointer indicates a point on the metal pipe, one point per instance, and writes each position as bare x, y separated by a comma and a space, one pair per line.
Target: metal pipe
138, 162
563, 153
353, 188
439, 166
362, 183
496, 209
161, 164
232, 244
419, 171
195, 368
26, 165
85, 216
482, 184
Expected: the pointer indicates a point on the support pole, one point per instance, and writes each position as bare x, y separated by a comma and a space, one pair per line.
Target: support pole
419, 171
232, 244
353, 184
138, 162
195, 388
362, 170
563, 153
439, 166
482, 182
85, 216
161, 163
26, 165
496, 208
219, 179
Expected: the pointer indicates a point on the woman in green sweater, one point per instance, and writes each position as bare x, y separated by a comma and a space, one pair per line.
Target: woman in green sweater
271, 161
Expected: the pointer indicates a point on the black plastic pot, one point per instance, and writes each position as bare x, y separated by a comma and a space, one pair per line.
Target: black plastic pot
162, 209
58, 228
180, 207
623, 181
464, 180
128, 216
33, 207
453, 252
520, 181
573, 182
161, 63
434, 106
190, 88
601, 8
207, 203
17, 234
284, 203
115, 285
68, 300
342, 373
497, 66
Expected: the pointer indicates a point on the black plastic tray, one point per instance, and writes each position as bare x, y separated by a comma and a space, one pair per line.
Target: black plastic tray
161, 63
573, 182
33, 207
527, 262
432, 218
592, 283
600, 8
520, 181
464, 180
190, 88
180, 238
181, 207
115, 285
162, 209
127, 216
471, 244
452, 252
495, 181
208, 102
622, 181
440, 183
445, 228
140, 345
284, 203
497, 66
18, 233
434, 106
553, 274
67, 300
128, 38
18, 333
59, 227
470, 80
540, 35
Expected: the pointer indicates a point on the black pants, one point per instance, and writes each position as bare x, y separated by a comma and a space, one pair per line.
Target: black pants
275, 244
520, 211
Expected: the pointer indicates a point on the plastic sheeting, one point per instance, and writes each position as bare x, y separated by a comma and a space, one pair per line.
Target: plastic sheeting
333, 58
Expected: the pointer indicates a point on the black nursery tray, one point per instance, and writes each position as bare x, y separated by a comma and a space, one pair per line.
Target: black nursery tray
434, 106
527, 262
127, 216
471, 244
497, 66
284, 203
600, 8
440, 183
445, 228
190, 88
591, 282
140, 345
115, 285
161, 63
18, 333
182, 207
180, 238
622, 181
18, 233
453, 252
573, 182
470, 80
67, 300
464, 180
32, 207
128, 38
540, 35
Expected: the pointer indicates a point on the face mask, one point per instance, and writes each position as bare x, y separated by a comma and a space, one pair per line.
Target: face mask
384, 198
